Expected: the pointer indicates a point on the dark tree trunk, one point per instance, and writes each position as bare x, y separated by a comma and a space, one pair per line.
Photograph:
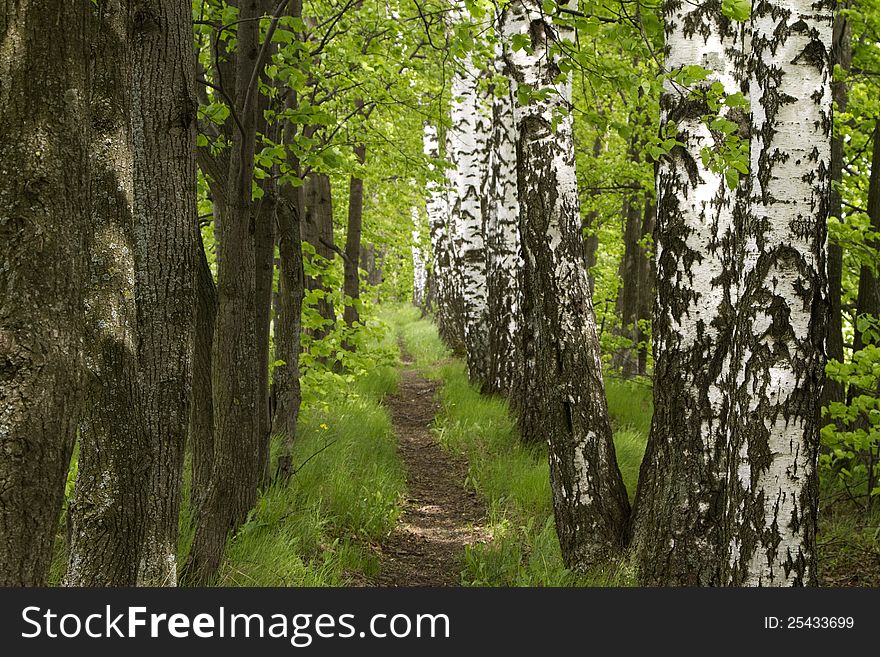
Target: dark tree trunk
43, 210
868, 300
372, 264
201, 417
317, 230
264, 256
236, 419
351, 283
289, 324
291, 287
108, 512
841, 54
626, 357
164, 132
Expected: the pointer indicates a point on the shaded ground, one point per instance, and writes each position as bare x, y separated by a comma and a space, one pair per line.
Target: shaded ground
440, 516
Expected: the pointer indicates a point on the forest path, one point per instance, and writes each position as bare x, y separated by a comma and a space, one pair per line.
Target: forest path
440, 516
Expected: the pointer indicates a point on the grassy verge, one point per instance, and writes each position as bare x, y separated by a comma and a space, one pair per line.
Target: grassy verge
513, 478
344, 496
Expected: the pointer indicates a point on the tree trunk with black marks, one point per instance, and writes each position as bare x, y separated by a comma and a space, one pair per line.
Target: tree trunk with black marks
779, 345
565, 402
43, 209
108, 511
419, 264
468, 148
164, 134
679, 537
503, 250
442, 274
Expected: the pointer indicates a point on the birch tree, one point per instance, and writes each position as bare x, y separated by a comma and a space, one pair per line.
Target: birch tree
503, 250
565, 403
468, 149
420, 271
442, 257
679, 508
778, 356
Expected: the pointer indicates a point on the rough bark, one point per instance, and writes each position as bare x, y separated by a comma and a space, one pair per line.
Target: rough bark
201, 416
442, 273
468, 148
678, 519
351, 277
108, 511
43, 210
841, 53
264, 257
164, 132
504, 261
373, 261
236, 421
565, 403
626, 357
288, 323
778, 354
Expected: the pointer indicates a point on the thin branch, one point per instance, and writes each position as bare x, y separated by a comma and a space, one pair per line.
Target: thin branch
258, 65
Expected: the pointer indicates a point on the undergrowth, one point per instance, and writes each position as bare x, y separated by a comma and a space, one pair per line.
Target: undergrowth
345, 495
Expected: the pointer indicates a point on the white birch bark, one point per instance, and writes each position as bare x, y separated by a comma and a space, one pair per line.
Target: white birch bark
467, 147
565, 403
680, 500
442, 255
779, 344
504, 261
420, 271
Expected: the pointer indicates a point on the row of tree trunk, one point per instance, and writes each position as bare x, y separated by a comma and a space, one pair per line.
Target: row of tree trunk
113, 330
728, 487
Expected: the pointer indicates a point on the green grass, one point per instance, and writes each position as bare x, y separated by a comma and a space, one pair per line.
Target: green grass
514, 478
345, 495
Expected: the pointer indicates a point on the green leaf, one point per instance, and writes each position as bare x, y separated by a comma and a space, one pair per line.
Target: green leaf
521, 42
732, 177
736, 100
738, 10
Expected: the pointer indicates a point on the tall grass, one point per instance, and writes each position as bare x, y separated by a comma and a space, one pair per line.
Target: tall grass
511, 477
344, 496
